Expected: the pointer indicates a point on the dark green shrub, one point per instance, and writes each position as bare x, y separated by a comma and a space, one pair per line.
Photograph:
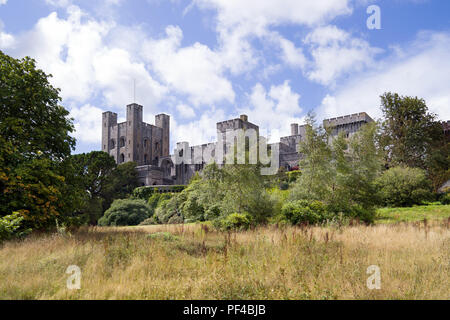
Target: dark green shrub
234, 221
156, 199
403, 187
293, 175
284, 185
445, 199
127, 212
302, 211
192, 208
143, 193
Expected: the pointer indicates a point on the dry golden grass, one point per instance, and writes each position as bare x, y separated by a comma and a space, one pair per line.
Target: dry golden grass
191, 262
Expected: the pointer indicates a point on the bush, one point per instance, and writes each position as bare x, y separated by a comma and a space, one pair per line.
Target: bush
293, 175
175, 219
157, 198
234, 221
166, 209
149, 221
303, 211
127, 212
445, 199
403, 187
143, 193
10, 227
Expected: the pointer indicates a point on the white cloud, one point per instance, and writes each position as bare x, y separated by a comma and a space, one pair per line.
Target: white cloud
59, 3
76, 52
185, 111
261, 13
6, 40
3, 2
336, 53
88, 123
199, 131
238, 22
195, 71
274, 111
422, 72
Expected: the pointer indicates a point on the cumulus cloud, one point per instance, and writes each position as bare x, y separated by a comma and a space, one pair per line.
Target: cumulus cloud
75, 51
185, 111
199, 131
196, 71
238, 22
418, 69
88, 124
3, 2
336, 53
273, 110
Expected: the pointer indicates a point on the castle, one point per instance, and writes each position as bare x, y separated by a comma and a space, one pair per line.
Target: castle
148, 145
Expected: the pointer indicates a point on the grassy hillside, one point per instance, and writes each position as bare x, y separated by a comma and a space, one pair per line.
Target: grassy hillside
193, 262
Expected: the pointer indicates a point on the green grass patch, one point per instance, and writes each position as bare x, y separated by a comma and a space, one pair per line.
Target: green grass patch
412, 214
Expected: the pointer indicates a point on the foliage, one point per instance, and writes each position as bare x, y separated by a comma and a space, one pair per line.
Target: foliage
413, 137
303, 211
403, 187
316, 180
10, 227
235, 221
145, 193
126, 212
120, 183
445, 199
32, 119
34, 142
338, 171
293, 175
168, 208
149, 221
413, 214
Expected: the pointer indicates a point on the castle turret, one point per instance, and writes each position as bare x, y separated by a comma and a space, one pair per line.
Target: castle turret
163, 121
134, 135
109, 121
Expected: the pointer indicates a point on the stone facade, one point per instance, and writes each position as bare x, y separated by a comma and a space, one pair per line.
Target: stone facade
148, 145
143, 143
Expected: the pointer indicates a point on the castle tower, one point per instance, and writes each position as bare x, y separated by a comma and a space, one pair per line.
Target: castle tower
133, 132
163, 121
109, 120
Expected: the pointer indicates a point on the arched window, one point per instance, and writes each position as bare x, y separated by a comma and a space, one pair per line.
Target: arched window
145, 159
122, 158
145, 143
156, 147
112, 143
122, 142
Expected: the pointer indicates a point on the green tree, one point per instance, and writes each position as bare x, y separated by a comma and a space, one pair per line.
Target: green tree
34, 141
120, 183
317, 179
412, 136
403, 187
31, 118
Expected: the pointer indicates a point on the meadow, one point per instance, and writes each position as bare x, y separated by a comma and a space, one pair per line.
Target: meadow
196, 262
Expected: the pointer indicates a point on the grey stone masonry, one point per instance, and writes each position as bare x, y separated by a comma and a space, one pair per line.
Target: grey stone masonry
148, 145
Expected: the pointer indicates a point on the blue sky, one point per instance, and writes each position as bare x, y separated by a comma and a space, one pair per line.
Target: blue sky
204, 61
